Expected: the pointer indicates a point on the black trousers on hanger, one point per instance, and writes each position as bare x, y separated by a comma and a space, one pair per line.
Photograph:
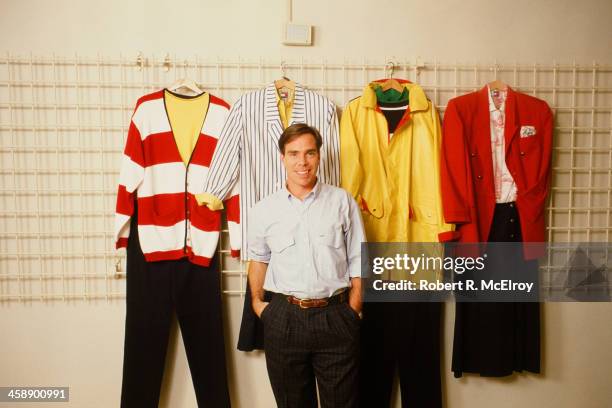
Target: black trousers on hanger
155, 292
402, 337
494, 339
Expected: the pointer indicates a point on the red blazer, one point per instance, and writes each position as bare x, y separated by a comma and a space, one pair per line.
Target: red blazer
468, 192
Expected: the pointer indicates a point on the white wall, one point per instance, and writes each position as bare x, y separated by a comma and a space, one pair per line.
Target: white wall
463, 30
80, 344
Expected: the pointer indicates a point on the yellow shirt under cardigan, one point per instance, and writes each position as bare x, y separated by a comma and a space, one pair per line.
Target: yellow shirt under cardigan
186, 115
284, 109
396, 180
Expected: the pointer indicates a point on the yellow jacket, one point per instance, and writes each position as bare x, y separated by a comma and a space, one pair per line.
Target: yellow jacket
396, 180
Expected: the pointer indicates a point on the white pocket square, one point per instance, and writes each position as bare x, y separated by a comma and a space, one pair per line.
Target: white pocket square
527, 131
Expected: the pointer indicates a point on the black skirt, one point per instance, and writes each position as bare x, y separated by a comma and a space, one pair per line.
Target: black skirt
494, 339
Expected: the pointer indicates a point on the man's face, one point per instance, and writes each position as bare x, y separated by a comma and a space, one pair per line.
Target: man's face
301, 160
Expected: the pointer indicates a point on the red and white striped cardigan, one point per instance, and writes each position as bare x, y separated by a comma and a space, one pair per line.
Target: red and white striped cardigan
171, 224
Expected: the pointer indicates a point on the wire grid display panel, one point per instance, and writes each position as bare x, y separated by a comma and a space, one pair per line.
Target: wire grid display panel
63, 123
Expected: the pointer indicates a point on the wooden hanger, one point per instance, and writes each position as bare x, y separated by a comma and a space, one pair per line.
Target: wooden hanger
284, 82
284, 85
186, 86
496, 85
391, 83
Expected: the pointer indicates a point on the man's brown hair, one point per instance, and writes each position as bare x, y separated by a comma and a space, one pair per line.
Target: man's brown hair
296, 130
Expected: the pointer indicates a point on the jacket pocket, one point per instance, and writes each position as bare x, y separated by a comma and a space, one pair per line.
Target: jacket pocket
425, 214
203, 218
529, 145
372, 207
167, 206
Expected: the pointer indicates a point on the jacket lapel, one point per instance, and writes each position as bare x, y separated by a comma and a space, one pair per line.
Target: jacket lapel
510, 123
274, 127
298, 112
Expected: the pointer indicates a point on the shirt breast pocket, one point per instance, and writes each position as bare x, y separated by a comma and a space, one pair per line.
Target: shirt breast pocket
285, 263
331, 252
280, 244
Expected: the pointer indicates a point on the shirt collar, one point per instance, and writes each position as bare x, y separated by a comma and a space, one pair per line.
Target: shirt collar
298, 109
314, 193
502, 106
417, 98
279, 101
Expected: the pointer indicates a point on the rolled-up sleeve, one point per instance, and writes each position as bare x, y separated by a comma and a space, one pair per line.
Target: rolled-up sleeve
354, 236
258, 248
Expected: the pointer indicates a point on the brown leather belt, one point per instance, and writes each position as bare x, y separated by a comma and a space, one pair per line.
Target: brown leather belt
324, 302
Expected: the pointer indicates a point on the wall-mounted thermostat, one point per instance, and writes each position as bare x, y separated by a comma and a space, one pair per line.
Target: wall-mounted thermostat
297, 34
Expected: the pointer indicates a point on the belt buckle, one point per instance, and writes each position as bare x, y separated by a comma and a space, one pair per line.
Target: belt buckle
303, 305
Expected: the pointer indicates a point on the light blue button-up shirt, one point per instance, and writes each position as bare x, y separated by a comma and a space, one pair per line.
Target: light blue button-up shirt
312, 246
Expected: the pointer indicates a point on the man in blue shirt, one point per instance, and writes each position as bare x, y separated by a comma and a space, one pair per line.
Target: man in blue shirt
305, 247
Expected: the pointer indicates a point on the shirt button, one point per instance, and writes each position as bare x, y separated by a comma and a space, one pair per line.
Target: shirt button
511, 219
511, 204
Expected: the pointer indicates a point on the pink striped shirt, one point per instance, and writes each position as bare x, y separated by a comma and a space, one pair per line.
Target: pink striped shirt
505, 187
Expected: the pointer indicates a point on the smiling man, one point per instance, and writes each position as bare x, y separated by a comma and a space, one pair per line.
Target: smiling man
305, 247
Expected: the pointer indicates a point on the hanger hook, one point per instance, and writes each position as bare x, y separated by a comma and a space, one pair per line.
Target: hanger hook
390, 65
139, 61
283, 68
167, 63
495, 69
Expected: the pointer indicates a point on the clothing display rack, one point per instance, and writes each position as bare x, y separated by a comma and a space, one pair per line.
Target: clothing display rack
64, 119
